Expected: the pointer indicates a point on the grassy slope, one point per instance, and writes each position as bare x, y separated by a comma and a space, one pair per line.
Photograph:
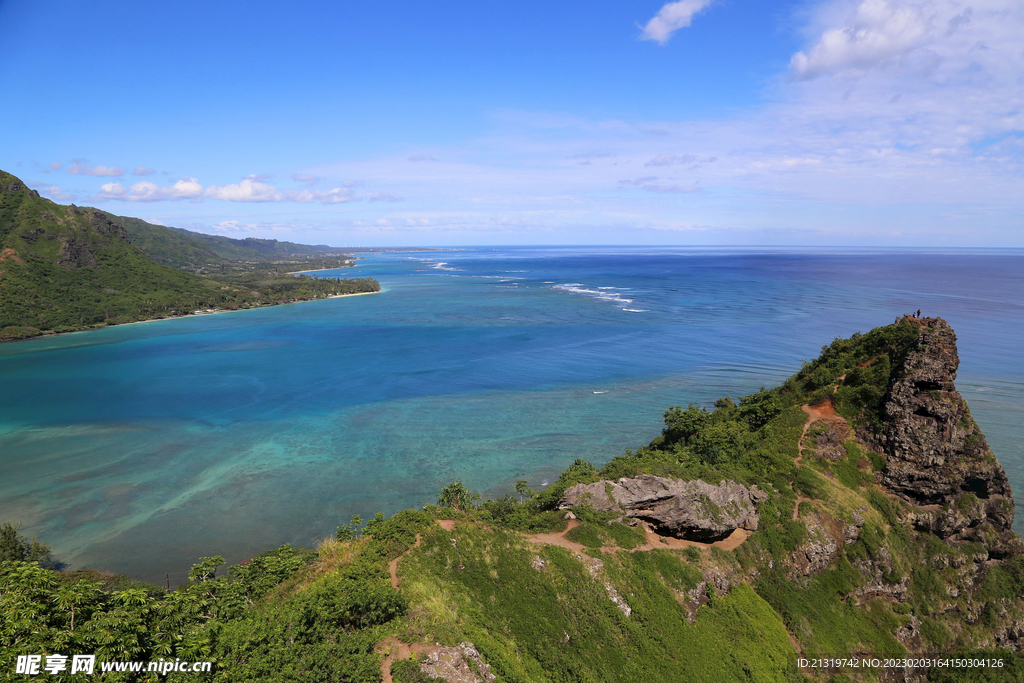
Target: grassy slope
558, 624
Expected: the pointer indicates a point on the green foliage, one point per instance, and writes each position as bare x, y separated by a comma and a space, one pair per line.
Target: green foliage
887, 505
848, 470
681, 425
409, 671
719, 442
625, 536
397, 533
1004, 581
16, 548
527, 516
68, 268
586, 534
809, 483
935, 633
456, 496
350, 531
760, 408
820, 618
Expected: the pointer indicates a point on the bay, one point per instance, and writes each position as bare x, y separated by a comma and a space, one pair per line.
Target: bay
140, 448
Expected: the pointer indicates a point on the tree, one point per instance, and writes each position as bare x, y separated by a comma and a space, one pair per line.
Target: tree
758, 409
351, 530
681, 424
719, 443
456, 496
523, 489
15, 547
725, 403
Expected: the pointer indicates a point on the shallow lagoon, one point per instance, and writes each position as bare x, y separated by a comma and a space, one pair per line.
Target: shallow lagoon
142, 447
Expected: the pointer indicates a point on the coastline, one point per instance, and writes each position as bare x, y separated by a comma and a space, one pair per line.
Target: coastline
320, 270
190, 315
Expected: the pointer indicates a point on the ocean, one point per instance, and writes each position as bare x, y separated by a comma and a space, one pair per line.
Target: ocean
140, 448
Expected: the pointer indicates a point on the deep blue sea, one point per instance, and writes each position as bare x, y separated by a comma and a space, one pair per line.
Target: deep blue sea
140, 448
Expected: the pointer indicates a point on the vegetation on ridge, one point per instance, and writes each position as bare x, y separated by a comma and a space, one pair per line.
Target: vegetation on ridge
67, 268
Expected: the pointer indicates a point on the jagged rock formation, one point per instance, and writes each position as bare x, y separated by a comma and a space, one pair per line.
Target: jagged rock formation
694, 510
936, 453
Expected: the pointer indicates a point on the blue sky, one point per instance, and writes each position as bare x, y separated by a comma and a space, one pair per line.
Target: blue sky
818, 122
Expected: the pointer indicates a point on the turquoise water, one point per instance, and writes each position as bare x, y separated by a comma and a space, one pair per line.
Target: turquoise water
140, 448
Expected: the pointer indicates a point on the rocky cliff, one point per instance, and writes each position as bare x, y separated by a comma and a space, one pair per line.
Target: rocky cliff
936, 455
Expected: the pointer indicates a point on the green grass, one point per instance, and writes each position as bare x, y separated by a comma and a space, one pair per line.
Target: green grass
825, 624
558, 624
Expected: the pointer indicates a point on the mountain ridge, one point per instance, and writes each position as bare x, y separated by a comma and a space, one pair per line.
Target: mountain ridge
68, 268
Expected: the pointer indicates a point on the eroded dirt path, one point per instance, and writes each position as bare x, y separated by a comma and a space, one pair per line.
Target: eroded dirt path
822, 411
654, 541
393, 567
396, 649
446, 524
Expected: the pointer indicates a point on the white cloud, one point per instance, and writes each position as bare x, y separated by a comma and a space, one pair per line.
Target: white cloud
54, 192
145, 191
235, 226
421, 157
248, 190
143, 170
309, 180
672, 17
671, 159
56, 165
878, 32
383, 197
85, 169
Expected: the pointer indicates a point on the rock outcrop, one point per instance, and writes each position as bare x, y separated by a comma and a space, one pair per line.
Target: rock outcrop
936, 454
459, 664
694, 510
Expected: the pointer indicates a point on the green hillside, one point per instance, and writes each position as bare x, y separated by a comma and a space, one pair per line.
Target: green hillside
66, 268
198, 253
846, 559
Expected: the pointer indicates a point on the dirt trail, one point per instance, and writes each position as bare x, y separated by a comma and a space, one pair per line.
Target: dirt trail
396, 648
822, 411
393, 567
399, 650
654, 541
796, 506
446, 524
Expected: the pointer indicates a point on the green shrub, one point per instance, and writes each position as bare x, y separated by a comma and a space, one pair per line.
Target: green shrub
409, 671
585, 534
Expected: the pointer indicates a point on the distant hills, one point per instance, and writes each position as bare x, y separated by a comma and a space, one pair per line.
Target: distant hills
67, 268
198, 253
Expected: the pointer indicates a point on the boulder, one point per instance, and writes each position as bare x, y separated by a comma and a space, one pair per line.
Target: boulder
694, 509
